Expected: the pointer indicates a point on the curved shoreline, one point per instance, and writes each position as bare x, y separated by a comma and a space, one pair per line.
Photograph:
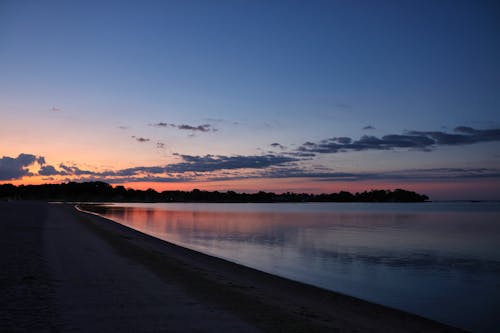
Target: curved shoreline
270, 302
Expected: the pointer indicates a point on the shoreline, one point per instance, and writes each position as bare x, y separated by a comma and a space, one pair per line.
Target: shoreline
101, 275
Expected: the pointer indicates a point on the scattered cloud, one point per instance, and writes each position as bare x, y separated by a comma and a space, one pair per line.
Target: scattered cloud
162, 124
420, 140
140, 139
220, 167
190, 168
277, 145
55, 109
74, 170
443, 174
136, 170
209, 163
200, 128
17, 167
465, 135
285, 164
369, 127
185, 127
123, 127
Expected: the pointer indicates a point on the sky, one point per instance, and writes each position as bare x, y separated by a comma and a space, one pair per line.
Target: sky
303, 96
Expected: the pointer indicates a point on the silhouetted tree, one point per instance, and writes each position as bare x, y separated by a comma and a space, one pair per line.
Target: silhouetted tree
100, 191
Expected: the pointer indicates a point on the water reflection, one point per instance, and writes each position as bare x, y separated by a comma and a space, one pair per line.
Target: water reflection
441, 262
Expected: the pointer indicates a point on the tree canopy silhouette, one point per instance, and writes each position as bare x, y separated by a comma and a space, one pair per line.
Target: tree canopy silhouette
104, 192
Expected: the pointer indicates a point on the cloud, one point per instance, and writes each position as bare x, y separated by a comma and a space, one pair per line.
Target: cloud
74, 170
160, 145
200, 128
421, 140
369, 127
152, 179
444, 173
162, 124
55, 109
194, 168
123, 127
137, 170
49, 170
210, 163
277, 145
17, 167
441, 174
299, 154
140, 139
344, 144
185, 127
189, 165
415, 175
193, 172
466, 135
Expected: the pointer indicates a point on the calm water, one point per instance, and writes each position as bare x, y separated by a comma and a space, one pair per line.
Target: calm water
438, 260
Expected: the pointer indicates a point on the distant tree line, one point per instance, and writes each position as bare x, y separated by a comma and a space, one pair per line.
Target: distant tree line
103, 192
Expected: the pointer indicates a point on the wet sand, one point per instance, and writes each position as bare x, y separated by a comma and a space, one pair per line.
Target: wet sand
64, 270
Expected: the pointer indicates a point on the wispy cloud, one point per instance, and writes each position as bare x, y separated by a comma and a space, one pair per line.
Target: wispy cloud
140, 139
185, 127
200, 128
277, 145
368, 127
465, 135
443, 174
162, 124
220, 162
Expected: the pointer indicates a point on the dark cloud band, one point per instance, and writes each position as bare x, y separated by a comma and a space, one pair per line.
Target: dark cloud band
421, 140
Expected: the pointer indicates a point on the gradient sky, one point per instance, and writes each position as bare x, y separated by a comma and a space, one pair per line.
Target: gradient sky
304, 96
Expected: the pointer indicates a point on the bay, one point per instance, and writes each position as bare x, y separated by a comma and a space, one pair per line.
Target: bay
437, 260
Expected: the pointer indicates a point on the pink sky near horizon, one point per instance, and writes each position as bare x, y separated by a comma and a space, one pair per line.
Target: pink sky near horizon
471, 190
487, 189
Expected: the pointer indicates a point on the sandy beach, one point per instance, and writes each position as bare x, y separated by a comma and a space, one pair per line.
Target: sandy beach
65, 270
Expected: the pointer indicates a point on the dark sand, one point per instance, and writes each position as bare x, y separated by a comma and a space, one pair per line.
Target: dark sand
63, 270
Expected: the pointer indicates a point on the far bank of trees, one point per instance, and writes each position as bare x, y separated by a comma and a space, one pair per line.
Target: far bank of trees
104, 192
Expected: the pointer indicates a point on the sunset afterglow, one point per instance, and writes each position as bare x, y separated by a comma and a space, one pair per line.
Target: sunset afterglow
249, 96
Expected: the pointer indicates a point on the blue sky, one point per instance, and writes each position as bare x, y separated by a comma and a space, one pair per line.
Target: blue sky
82, 81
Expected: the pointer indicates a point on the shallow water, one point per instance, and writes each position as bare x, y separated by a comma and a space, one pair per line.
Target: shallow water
438, 260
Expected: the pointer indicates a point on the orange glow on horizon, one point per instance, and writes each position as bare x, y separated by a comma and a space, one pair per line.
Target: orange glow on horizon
445, 190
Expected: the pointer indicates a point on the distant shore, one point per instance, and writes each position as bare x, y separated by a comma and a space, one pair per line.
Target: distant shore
104, 192
68, 270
